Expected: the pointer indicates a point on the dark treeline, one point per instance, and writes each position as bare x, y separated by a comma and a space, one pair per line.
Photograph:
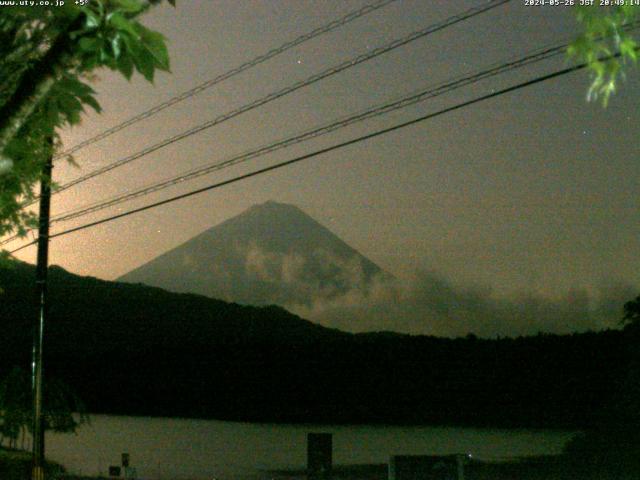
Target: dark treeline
132, 349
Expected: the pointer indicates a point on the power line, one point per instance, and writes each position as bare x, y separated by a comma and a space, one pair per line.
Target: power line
420, 96
405, 101
472, 12
271, 97
349, 17
425, 94
324, 150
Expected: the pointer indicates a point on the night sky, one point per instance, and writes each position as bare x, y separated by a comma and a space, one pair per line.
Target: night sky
525, 205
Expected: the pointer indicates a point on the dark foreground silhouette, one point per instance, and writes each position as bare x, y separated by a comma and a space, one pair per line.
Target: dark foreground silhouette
137, 350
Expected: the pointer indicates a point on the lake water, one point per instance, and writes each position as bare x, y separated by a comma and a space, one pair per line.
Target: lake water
167, 448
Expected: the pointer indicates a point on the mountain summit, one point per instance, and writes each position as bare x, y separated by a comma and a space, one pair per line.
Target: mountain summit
272, 253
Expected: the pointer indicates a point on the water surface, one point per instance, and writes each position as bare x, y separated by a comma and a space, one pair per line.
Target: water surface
168, 448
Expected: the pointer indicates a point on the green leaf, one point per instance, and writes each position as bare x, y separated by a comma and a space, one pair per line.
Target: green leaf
99, 6
89, 44
154, 42
628, 48
75, 87
104, 55
68, 11
128, 6
52, 113
92, 21
121, 23
125, 66
579, 46
71, 108
599, 68
145, 66
143, 61
89, 62
115, 46
92, 102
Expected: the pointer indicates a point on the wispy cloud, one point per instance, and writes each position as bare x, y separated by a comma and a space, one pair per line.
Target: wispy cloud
428, 303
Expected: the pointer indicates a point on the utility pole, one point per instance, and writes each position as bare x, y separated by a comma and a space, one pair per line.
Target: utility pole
41, 288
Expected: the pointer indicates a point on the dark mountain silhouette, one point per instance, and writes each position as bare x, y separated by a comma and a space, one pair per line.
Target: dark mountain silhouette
90, 316
272, 253
133, 349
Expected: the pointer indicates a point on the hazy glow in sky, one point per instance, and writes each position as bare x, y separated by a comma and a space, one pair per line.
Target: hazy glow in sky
533, 193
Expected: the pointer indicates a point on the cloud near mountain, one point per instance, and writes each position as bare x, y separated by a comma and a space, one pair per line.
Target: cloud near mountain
428, 303
274, 253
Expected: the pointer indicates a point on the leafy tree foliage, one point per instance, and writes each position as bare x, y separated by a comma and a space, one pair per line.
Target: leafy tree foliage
16, 415
632, 312
46, 60
606, 31
610, 448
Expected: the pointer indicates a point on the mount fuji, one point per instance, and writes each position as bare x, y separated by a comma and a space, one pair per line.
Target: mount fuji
272, 253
